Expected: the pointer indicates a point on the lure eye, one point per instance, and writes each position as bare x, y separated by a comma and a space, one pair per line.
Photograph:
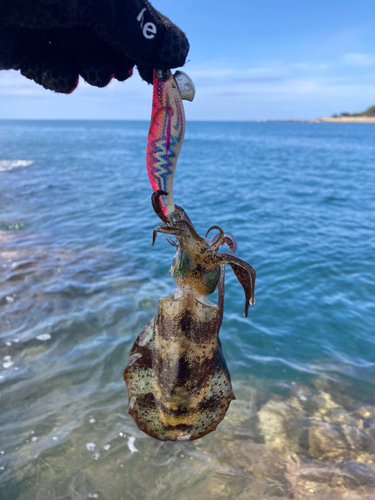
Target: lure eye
162, 74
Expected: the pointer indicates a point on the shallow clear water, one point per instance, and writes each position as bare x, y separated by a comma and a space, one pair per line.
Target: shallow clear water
79, 281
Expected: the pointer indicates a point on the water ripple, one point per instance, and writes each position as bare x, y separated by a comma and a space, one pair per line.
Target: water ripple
79, 281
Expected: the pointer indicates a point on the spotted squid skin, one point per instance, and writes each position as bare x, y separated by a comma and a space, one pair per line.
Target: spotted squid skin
165, 137
185, 270
178, 382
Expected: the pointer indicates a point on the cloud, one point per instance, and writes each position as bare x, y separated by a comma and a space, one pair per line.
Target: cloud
13, 84
356, 59
225, 90
308, 66
260, 79
219, 73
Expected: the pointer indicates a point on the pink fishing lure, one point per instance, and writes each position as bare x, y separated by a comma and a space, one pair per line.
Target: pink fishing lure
165, 137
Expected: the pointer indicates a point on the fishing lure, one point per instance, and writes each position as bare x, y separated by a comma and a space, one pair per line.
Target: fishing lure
178, 382
167, 131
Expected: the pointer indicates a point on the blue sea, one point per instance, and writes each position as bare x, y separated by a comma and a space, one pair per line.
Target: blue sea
79, 280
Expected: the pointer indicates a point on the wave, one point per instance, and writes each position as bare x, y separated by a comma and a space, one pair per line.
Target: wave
11, 164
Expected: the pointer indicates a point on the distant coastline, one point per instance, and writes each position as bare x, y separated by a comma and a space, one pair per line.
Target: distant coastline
367, 116
348, 119
339, 119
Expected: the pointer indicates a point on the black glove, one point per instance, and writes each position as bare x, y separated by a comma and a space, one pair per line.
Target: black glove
54, 41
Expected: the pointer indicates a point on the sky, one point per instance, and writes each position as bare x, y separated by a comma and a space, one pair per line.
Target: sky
249, 60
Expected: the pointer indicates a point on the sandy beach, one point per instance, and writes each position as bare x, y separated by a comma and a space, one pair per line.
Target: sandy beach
349, 119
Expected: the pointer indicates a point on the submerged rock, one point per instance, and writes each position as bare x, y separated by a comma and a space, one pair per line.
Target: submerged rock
326, 448
317, 480
326, 440
333, 431
281, 424
358, 474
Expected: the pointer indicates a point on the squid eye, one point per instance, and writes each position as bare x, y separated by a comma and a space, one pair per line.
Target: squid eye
162, 74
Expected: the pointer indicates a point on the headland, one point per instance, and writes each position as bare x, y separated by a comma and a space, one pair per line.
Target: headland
367, 116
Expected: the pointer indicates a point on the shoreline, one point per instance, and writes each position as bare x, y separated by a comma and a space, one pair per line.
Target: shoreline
348, 119
343, 119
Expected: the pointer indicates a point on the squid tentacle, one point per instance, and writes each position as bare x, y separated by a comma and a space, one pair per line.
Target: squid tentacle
243, 271
173, 230
156, 205
231, 242
220, 301
243, 278
171, 242
228, 240
191, 229
182, 214
217, 242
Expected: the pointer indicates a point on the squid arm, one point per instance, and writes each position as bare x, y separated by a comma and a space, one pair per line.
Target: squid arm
244, 273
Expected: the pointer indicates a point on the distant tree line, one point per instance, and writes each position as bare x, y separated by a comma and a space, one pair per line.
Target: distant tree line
369, 112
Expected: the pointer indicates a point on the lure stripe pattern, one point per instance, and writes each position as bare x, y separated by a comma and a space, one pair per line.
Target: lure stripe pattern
165, 137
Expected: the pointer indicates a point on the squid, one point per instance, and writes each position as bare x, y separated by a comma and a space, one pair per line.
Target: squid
179, 385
